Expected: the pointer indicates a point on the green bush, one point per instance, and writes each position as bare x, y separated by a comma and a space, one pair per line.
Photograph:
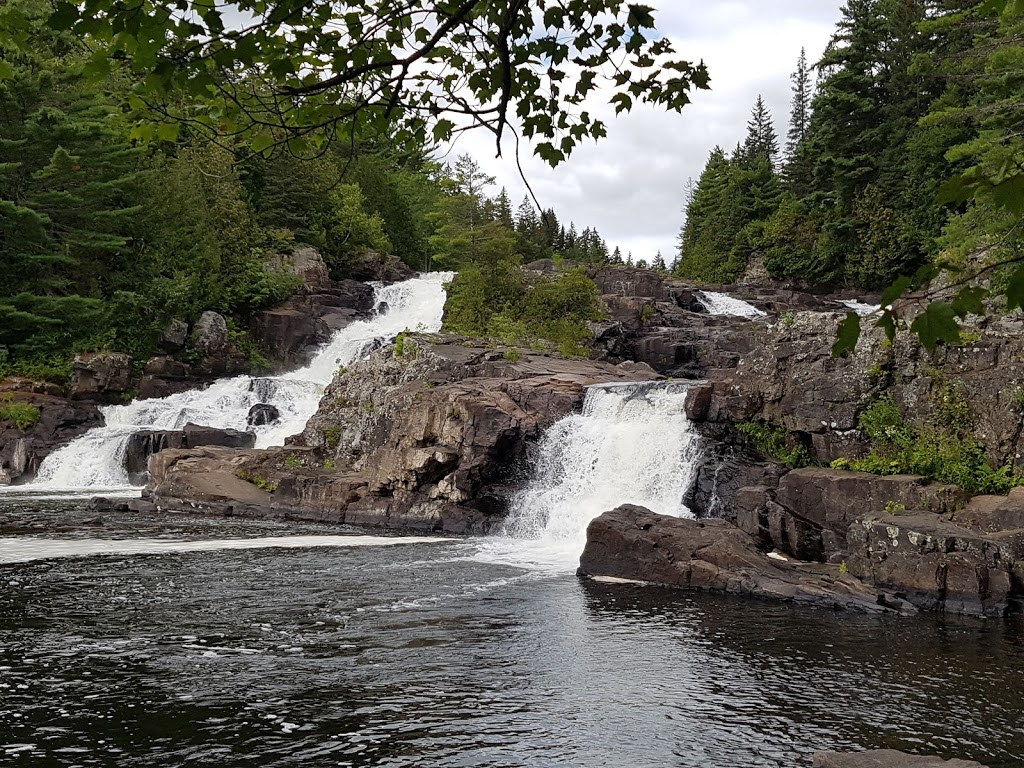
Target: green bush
506, 304
942, 448
332, 436
770, 440
22, 415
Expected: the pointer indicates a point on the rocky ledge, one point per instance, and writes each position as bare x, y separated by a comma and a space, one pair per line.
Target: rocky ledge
429, 433
635, 544
886, 758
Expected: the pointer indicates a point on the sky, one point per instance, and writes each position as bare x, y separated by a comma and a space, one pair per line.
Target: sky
630, 185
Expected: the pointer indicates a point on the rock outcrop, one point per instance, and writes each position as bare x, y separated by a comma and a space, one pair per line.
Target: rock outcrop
634, 543
101, 376
428, 436
144, 444
886, 758
60, 421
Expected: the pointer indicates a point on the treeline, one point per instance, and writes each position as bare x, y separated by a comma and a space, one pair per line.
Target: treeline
107, 233
911, 97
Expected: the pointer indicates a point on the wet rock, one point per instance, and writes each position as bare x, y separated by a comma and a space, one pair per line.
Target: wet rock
101, 376
380, 267
886, 758
165, 366
698, 402
142, 445
197, 435
938, 565
633, 543
287, 333
262, 414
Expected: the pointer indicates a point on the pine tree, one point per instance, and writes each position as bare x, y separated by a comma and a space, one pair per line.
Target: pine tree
617, 256
503, 210
659, 263
761, 140
797, 169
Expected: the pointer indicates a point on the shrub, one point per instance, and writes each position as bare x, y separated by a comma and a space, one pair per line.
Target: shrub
256, 479
332, 436
770, 440
504, 303
942, 448
22, 415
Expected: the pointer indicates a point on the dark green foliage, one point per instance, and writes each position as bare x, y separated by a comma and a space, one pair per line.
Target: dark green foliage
21, 415
943, 447
770, 441
508, 304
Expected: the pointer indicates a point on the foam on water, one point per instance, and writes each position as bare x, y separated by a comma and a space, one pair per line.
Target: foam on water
861, 308
723, 304
24, 549
97, 458
632, 444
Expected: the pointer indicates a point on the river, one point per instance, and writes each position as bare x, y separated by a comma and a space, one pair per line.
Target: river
438, 654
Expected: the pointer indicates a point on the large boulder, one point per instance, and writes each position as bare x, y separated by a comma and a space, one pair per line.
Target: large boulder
635, 544
146, 443
305, 262
174, 336
101, 376
886, 758
262, 414
210, 335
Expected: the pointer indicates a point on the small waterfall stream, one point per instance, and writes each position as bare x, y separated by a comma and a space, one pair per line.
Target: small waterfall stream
96, 459
723, 304
632, 444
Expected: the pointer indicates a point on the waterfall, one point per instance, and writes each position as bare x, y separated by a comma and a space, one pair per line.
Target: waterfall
632, 444
96, 459
861, 308
722, 304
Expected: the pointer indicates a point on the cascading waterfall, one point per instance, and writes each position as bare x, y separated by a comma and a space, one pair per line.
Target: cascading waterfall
632, 444
723, 304
861, 308
96, 460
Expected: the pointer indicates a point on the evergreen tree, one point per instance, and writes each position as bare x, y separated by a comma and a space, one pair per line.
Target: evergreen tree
797, 168
761, 140
617, 256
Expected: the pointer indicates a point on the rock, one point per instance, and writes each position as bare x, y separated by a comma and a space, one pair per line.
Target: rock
173, 337
635, 544
142, 445
288, 333
165, 367
831, 499
886, 758
262, 414
197, 435
426, 440
992, 514
698, 402
102, 376
377, 266
305, 262
60, 421
938, 565
210, 335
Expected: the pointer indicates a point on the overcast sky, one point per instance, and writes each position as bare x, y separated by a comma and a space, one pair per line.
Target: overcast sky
630, 184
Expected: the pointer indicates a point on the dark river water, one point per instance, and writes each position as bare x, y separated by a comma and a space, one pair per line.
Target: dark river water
440, 654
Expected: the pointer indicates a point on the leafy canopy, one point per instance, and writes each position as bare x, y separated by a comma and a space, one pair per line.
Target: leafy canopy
300, 72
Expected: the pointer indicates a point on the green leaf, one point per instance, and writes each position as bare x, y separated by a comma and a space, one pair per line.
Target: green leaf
6, 71
64, 16
261, 141
168, 132
847, 336
937, 323
895, 290
1015, 289
969, 301
443, 130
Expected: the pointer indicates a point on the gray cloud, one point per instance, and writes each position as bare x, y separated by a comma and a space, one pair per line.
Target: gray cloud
630, 184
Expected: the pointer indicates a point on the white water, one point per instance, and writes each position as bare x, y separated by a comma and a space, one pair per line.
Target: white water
861, 308
96, 460
633, 444
721, 304
24, 549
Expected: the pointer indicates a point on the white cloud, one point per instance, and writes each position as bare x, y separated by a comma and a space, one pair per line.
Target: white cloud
630, 184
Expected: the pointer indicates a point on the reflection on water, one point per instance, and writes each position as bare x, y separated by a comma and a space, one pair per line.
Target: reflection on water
418, 655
